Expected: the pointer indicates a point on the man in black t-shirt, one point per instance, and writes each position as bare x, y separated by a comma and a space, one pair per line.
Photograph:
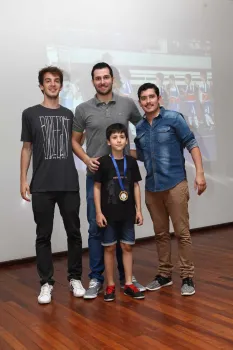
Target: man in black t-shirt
118, 206
46, 135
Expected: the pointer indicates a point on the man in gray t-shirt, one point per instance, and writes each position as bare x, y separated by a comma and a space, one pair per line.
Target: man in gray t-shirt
93, 117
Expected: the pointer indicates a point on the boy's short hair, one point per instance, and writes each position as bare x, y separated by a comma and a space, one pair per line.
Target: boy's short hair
116, 128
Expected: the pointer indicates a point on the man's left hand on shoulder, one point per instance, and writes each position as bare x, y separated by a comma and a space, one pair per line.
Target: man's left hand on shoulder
200, 183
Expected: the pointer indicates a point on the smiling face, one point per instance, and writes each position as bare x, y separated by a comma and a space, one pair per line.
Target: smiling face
102, 81
51, 85
149, 101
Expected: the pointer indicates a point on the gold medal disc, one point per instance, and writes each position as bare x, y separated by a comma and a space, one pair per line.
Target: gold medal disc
123, 196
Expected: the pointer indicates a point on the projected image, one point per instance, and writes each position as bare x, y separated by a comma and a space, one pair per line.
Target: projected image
190, 94
181, 70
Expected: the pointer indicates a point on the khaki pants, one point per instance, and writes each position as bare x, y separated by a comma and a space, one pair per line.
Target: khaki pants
172, 203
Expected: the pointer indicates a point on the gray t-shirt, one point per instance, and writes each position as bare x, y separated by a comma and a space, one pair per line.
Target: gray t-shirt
95, 116
49, 131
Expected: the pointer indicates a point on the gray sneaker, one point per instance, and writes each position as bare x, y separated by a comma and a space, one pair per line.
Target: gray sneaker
159, 282
95, 287
187, 286
140, 287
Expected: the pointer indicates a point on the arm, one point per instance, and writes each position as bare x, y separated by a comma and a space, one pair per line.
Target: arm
83, 138
100, 218
138, 153
133, 153
184, 133
78, 135
77, 140
135, 115
199, 182
137, 197
188, 140
26, 153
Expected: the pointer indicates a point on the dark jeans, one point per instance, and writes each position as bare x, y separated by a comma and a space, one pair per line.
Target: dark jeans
96, 250
43, 205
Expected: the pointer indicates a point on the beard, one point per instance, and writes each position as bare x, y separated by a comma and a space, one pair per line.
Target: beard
105, 92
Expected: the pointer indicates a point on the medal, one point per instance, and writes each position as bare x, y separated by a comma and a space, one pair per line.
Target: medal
123, 195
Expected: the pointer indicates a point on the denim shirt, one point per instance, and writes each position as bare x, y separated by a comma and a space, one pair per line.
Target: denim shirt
160, 146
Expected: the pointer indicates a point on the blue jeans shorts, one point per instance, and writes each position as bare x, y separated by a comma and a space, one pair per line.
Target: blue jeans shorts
122, 231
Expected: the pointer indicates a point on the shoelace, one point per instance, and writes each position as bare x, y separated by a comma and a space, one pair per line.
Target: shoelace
110, 289
188, 281
159, 278
45, 290
76, 284
93, 284
132, 287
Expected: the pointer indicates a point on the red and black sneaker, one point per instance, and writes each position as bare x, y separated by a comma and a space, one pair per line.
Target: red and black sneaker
133, 291
109, 294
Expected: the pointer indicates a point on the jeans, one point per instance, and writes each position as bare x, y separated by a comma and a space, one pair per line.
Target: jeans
116, 231
96, 250
43, 205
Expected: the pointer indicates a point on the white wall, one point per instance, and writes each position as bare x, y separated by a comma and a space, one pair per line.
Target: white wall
29, 27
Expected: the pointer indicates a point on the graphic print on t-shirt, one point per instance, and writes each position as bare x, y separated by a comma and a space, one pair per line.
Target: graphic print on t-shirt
113, 189
55, 130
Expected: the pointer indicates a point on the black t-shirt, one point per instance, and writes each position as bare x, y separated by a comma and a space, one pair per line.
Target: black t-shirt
49, 131
112, 207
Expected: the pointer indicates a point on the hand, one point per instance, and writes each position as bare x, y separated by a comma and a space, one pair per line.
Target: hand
101, 220
25, 191
93, 164
200, 183
139, 218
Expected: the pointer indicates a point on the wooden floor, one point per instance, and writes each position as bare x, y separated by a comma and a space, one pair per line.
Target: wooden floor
164, 320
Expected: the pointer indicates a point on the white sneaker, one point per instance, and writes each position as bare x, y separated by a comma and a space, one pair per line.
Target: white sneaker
45, 294
76, 288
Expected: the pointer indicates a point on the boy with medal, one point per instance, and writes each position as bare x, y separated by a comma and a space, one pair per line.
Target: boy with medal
118, 206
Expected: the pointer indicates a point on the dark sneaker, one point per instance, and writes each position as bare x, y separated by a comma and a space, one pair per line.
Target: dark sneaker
188, 287
135, 282
109, 294
133, 292
159, 282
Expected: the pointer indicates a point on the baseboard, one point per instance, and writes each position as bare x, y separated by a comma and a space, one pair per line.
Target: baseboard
139, 240
211, 227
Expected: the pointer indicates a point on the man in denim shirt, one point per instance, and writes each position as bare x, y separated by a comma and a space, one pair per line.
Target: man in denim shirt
161, 138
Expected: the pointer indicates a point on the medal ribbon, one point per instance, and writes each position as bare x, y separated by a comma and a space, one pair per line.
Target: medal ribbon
118, 172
